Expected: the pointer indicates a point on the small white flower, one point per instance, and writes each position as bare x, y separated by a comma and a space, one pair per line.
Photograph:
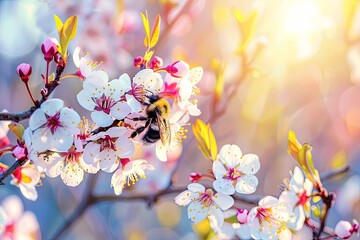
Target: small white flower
269, 220
104, 98
105, 148
298, 197
86, 129
69, 165
204, 203
235, 172
17, 224
26, 178
129, 173
53, 126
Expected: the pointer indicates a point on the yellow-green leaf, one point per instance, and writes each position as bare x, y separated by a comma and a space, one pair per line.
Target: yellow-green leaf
17, 129
206, 139
148, 55
70, 27
59, 24
247, 27
350, 9
146, 23
155, 32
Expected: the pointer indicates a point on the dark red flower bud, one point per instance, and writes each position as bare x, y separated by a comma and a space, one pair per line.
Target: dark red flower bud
49, 48
138, 61
156, 63
24, 71
195, 177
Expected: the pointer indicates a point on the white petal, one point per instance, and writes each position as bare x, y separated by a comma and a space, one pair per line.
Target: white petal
13, 208
85, 66
120, 110
37, 119
297, 180
285, 234
95, 81
185, 197
30, 171
243, 232
150, 80
62, 140
230, 155
218, 216
219, 169
268, 201
42, 139
85, 100
186, 89
195, 74
72, 174
161, 151
90, 168
196, 187
197, 211
125, 83
125, 147
249, 164
224, 186
134, 104
223, 201
101, 119
54, 165
118, 181
28, 192
76, 58
69, 118
52, 106
91, 153
308, 187
246, 184
109, 162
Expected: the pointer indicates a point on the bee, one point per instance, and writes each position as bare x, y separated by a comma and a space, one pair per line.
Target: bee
157, 123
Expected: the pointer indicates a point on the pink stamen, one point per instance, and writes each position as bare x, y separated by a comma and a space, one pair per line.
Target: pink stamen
107, 143
104, 103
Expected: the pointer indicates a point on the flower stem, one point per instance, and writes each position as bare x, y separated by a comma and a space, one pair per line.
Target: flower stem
30, 94
47, 73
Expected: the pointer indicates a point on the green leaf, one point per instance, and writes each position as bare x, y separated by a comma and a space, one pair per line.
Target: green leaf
155, 33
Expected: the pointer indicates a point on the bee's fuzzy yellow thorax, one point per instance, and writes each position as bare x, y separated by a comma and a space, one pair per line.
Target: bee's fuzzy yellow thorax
163, 106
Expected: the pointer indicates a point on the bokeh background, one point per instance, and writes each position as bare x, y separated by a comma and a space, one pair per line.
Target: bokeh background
304, 75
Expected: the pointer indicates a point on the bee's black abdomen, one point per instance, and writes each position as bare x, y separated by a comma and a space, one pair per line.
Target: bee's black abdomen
152, 135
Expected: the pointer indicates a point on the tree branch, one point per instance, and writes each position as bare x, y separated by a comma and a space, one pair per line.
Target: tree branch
334, 173
11, 169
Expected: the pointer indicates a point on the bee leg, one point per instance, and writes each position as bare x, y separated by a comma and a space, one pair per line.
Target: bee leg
140, 129
139, 119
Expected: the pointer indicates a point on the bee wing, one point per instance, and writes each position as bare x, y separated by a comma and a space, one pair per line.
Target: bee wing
164, 129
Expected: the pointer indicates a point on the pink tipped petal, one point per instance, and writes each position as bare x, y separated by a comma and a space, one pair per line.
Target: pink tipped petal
52, 106
197, 212
72, 174
196, 187
224, 186
246, 184
120, 110
85, 100
101, 119
37, 119
249, 164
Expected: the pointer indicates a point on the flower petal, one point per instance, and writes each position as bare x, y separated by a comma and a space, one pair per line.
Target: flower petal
37, 119
29, 192
134, 104
101, 119
72, 174
217, 215
230, 155
219, 169
120, 110
249, 164
224, 186
196, 187
62, 140
76, 58
42, 139
69, 118
223, 201
297, 180
91, 153
85, 100
52, 106
185, 197
125, 147
108, 160
246, 184
118, 181
197, 211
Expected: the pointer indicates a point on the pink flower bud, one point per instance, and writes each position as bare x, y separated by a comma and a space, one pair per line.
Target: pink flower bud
20, 152
138, 61
242, 215
44, 92
195, 177
178, 69
156, 63
24, 71
49, 48
344, 229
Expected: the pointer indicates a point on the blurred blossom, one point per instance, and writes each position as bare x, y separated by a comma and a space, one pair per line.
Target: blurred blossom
18, 225
349, 193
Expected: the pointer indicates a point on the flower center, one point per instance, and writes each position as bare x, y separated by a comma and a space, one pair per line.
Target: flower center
302, 199
85, 129
264, 215
72, 156
53, 122
104, 103
206, 197
9, 230
138, 91
171, 90
107, 143
234, 174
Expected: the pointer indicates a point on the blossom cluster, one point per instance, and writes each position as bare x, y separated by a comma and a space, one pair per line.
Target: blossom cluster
273, 218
